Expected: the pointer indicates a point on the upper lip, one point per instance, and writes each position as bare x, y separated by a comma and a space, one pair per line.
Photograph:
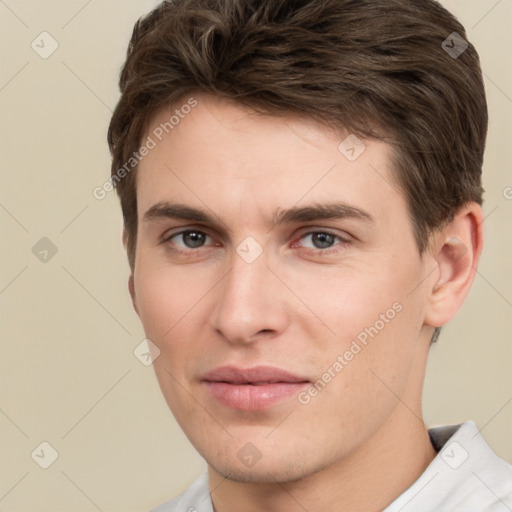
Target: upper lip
254, 375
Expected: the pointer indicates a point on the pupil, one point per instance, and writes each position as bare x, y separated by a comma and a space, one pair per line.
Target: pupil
324, 240
193, 239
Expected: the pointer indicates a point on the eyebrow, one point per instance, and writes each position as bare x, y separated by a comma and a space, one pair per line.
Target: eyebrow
309, 213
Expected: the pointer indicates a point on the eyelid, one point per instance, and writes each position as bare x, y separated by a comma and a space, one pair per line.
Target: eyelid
309, 230
170, 233
343, 240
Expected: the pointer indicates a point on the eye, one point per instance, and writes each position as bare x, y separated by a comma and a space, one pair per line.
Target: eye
321, 240
190, 239
315, 241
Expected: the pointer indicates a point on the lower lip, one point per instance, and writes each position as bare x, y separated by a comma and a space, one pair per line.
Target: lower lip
247, 397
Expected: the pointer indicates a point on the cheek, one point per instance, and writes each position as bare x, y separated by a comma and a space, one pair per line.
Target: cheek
359, 384
374, 322
169, 309
348, 300
173, 307
164, 296
156, 305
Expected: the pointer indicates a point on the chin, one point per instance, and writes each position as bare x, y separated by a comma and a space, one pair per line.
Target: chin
262, 472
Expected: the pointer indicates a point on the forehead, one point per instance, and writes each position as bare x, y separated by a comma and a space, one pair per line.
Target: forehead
221, 154
214, 118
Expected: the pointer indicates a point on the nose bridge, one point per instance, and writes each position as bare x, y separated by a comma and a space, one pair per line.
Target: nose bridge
247, 303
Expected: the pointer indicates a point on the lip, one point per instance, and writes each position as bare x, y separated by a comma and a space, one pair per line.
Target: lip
252, 389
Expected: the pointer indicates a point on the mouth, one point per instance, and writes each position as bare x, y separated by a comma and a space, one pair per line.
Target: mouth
252, 389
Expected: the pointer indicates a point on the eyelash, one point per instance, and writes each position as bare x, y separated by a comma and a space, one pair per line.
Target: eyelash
329, 250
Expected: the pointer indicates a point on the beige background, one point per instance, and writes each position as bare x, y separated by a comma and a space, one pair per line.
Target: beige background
68, 373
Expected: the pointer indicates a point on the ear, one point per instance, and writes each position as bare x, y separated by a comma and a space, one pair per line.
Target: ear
125, 238
131, 288
131, 280
456, 249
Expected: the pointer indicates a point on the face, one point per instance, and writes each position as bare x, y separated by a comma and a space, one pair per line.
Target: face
279, 277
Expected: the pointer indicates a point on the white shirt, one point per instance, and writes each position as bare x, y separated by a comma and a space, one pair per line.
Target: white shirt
465, 476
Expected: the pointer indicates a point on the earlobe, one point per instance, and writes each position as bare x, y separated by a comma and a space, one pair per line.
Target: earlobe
131, 288
456, 250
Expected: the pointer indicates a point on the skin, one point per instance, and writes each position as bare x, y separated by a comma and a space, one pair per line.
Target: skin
361, 440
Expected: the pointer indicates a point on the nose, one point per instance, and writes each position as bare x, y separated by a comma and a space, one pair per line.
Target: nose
250, 303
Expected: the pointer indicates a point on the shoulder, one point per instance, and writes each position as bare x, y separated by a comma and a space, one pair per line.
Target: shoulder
466, 476
195, 499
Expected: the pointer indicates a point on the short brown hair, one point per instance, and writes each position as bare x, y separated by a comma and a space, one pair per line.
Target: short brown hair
377, 68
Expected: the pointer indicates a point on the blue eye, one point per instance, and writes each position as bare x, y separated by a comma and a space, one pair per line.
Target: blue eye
191, 239
321, 240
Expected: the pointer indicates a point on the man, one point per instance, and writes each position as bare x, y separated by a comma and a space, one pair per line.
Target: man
301, 191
